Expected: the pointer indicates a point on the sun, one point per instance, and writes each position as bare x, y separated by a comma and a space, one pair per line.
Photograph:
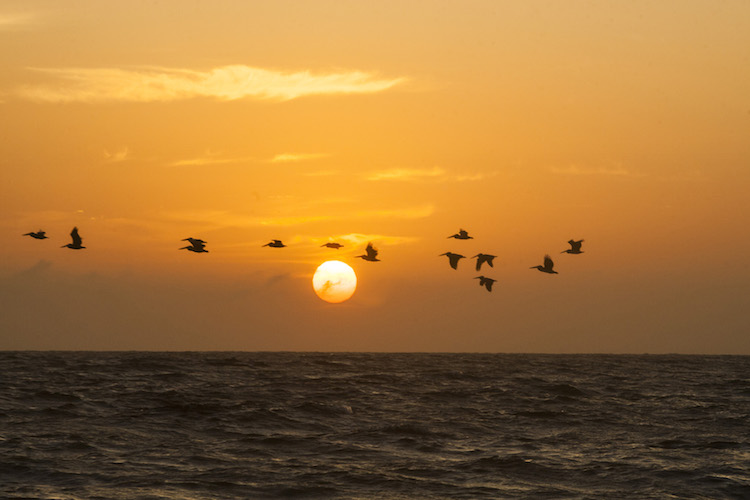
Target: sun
334, 281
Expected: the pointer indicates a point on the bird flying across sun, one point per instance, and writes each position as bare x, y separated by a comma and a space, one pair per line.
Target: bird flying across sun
39, 235
77, 240
485, 282
461, 235
275, 244
575, 247
482, 258
453, 258
371, 254
196, 245
332, 245
547, 267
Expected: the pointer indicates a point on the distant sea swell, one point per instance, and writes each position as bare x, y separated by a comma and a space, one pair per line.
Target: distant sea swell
85, 425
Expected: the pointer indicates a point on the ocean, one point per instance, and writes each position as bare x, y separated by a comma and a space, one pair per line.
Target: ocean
213, 425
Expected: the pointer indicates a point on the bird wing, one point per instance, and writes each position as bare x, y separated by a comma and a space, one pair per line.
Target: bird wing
454, 258
198, 244
576, 244
77, 240
548, 262
195, 241
371, 252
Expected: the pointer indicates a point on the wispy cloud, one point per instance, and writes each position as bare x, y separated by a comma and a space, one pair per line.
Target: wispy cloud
405, 174
227, 83
357, 239
116, 156
291, 157
607, 171
209, 160
213, 158
474, 177
221, 218
434, 174
10, 21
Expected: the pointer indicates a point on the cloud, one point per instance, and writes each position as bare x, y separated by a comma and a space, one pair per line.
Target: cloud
289, 157
435, 174
356, 239
473, 177
405, 174
220, 218
10, 21
208, 160
117, 156
227, 83
576, 170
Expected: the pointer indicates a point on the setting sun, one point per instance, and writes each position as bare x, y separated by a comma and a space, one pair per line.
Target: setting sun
334, 281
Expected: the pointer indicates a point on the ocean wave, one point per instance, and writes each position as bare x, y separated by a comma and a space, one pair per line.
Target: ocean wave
402, 426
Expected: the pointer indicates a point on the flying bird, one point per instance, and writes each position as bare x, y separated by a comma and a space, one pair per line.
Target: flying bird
275, 244
39, 235
371, 255
196, 245
453, 258
461, 235
547, 267
77, 240
482, 258
485, 282
575, 247
196, 241
332, 245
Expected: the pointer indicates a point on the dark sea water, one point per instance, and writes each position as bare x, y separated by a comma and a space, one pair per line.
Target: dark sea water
373, 426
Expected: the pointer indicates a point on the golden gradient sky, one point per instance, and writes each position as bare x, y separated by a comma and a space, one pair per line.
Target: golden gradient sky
527, 123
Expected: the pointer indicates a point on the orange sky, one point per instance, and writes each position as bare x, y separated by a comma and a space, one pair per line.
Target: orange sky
527, 123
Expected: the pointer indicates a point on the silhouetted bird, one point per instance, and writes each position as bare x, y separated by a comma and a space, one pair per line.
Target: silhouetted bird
485, 282
482, 258
275, 244
461, 235
196, 241
332, 245
371, 255
575, 247
547, 267
196, 245
39, 235
77, 240
453, 258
